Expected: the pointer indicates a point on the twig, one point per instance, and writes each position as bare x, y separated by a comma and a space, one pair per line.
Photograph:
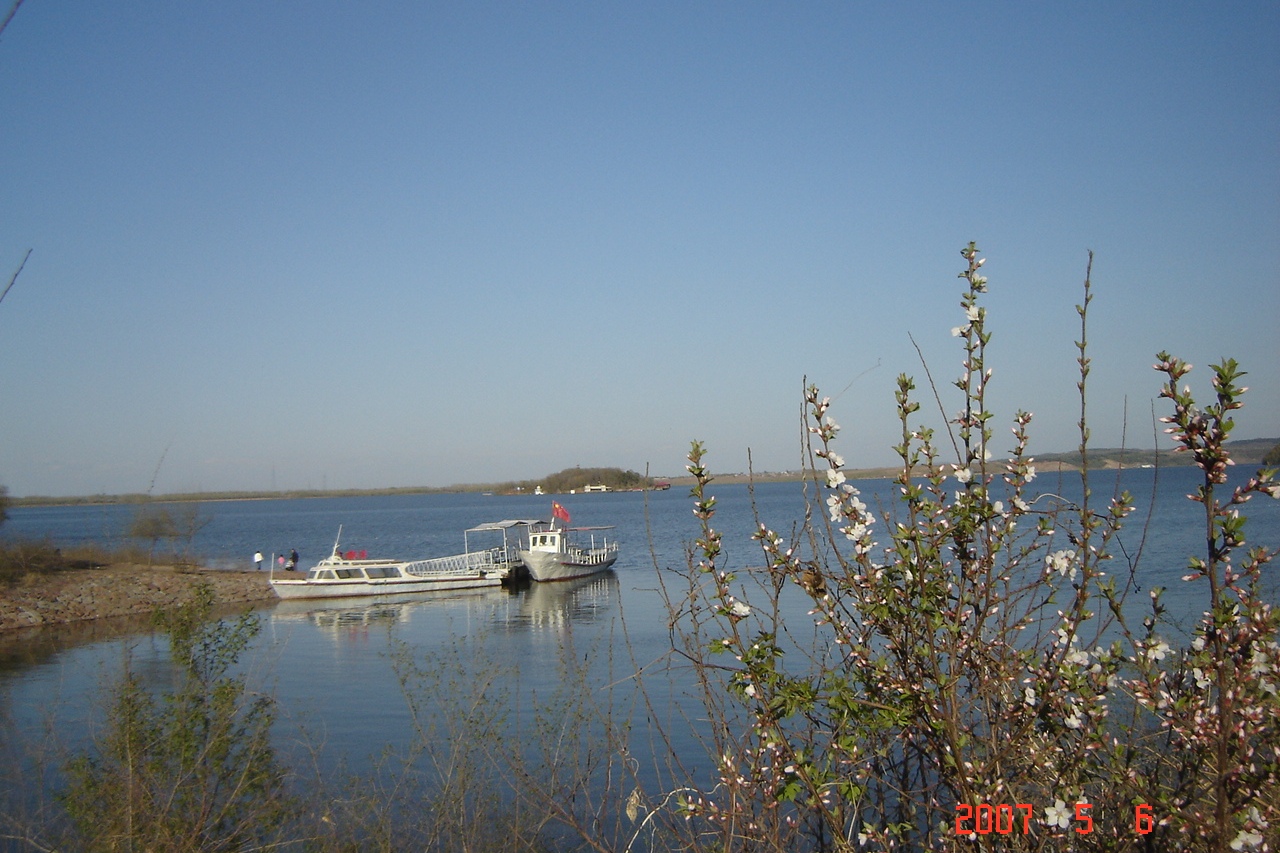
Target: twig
18, 271
13, 10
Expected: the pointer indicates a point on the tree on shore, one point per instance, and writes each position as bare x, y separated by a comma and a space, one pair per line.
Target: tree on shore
1272, 457
191, 769
151, 524
571, 479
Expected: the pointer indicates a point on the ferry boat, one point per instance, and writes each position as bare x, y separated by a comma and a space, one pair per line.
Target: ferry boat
342, 575
551, 556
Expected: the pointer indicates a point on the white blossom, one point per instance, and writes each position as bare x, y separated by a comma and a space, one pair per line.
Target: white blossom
1057, 815
1260, 665
1247, 840
1063, 562
855, 531
834, 508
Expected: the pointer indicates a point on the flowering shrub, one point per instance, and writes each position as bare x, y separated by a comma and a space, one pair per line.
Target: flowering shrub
974, 678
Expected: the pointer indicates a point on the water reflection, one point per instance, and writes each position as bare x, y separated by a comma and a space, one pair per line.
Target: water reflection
553, 607
337, 617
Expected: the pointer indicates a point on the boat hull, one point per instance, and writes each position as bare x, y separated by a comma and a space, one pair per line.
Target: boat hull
292, 588
547, 566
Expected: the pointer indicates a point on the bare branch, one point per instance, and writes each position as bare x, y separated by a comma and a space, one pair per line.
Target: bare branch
13, 10
18, 271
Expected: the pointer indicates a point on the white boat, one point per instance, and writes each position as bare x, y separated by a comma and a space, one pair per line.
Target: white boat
354, 615
339, 576
551, 556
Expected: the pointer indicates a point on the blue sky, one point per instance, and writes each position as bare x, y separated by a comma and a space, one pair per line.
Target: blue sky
289, 245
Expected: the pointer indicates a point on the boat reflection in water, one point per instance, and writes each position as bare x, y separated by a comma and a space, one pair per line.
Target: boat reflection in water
356, 614
555, 606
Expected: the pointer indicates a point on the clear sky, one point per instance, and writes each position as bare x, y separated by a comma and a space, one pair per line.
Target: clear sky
290, 245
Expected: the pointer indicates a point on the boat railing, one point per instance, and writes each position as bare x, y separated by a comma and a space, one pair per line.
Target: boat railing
596, 554
494, 559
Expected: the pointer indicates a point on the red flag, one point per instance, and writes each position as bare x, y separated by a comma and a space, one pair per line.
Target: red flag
559, 512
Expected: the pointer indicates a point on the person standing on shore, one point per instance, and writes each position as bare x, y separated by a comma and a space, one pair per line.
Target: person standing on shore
293, 557
257, 560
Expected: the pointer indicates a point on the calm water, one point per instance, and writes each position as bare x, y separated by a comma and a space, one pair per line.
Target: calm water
333, 667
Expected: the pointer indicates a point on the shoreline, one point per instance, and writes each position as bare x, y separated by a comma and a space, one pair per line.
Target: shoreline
120, 590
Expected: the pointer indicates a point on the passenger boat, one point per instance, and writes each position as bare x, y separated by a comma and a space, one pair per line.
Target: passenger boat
340, 576
551, 556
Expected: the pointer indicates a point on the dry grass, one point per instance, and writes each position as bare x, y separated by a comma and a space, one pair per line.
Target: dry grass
28, 561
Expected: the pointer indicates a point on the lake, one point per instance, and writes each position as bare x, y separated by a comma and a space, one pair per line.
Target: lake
338, 670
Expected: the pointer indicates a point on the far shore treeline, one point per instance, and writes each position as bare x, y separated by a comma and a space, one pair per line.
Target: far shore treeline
1253, 451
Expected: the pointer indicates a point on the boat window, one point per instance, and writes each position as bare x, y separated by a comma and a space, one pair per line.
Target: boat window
374, 572
392, 572
326, 575
349, 573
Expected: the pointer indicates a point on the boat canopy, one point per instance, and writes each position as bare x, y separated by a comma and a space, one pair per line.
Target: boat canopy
506, 524
514, 532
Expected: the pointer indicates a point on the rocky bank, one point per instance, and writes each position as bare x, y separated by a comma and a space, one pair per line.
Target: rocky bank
119, 590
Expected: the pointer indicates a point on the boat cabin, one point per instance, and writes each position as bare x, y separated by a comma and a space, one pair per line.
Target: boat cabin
546, 540
321, 573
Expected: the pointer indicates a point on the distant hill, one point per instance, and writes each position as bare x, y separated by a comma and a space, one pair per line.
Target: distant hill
1249, 451
577, 479
562, 482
